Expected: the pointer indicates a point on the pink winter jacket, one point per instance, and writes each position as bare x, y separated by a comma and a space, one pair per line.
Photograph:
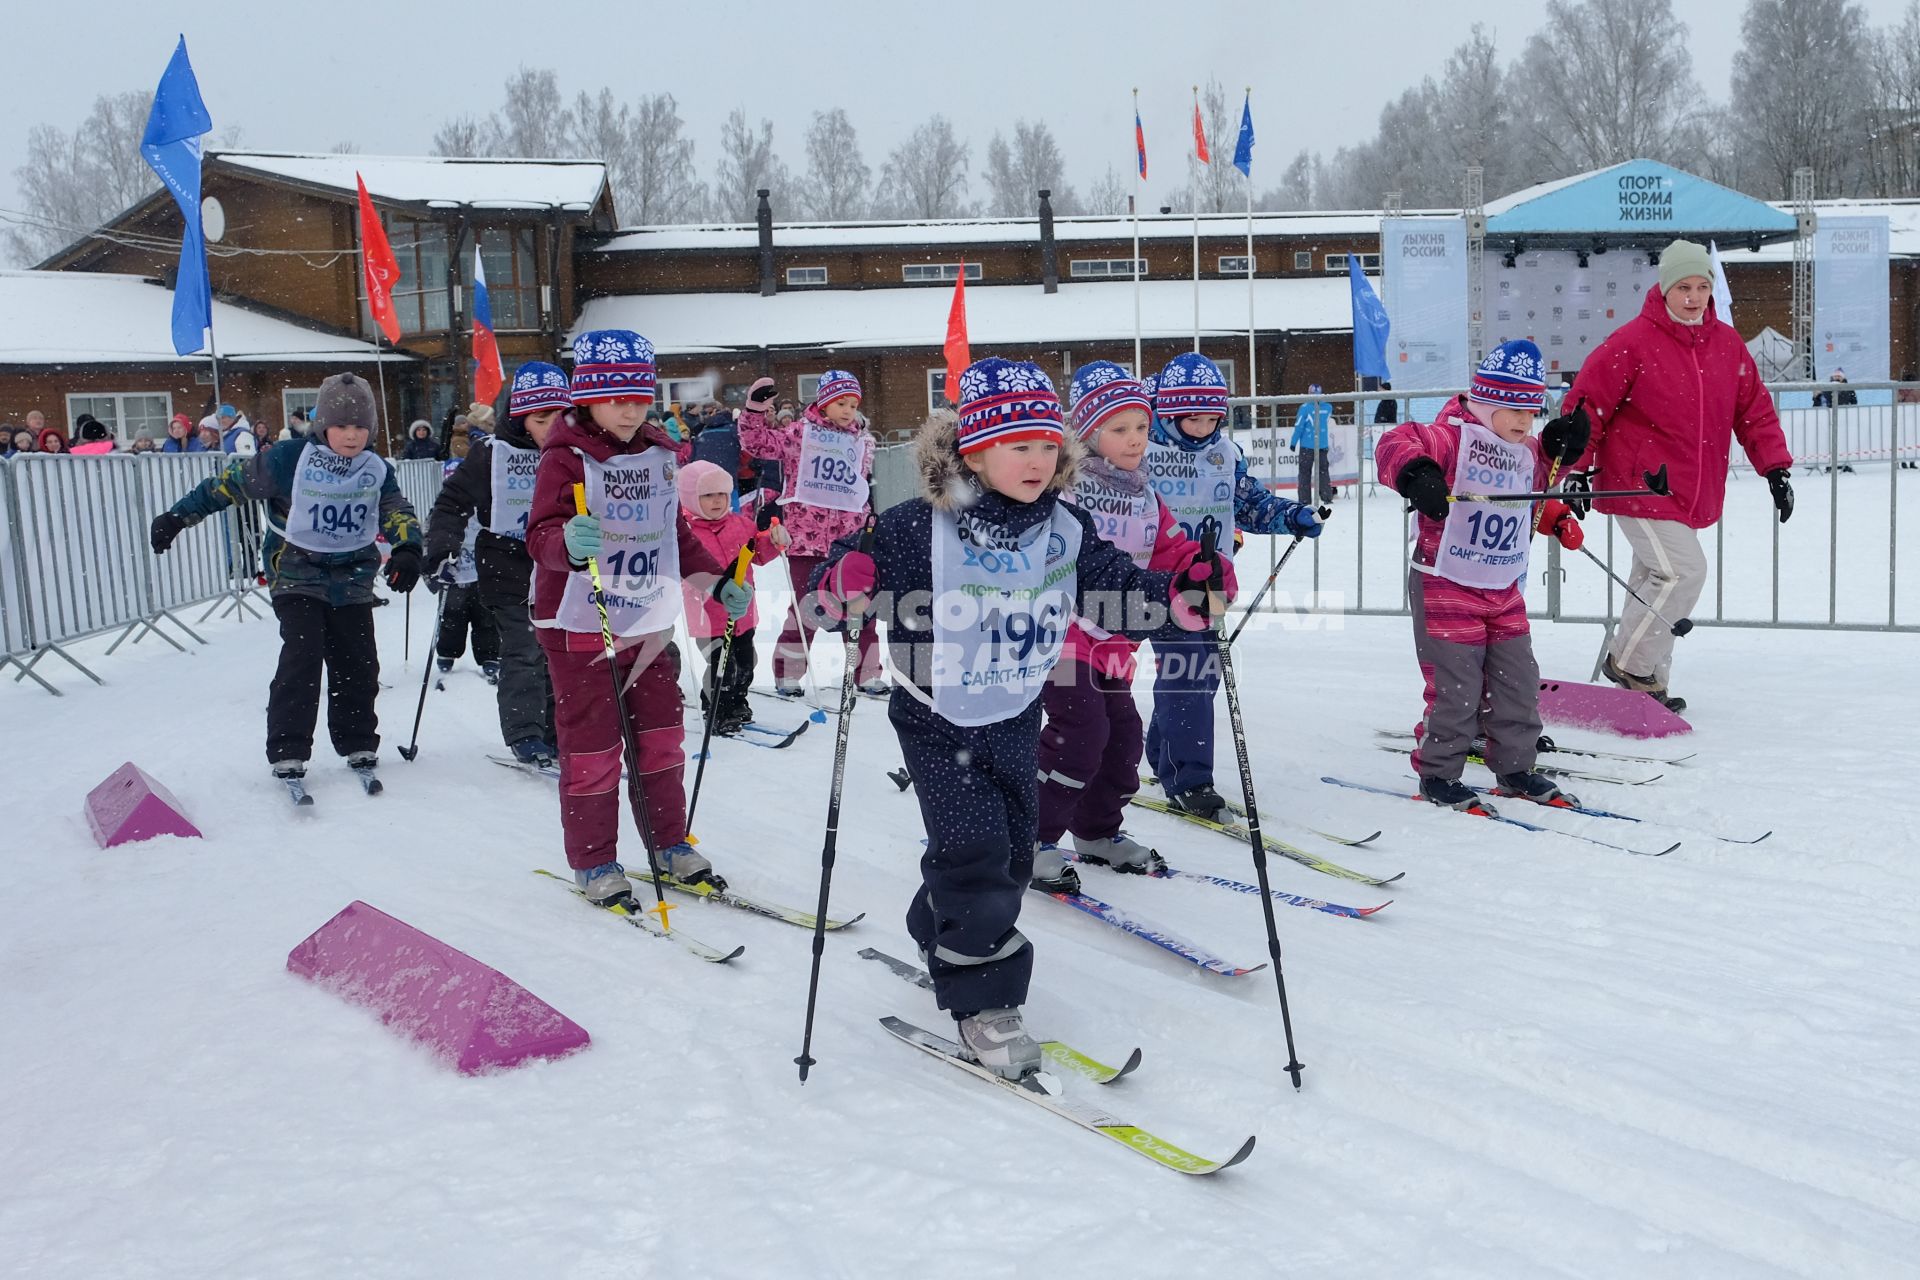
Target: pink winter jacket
1113, 656
814, 529
1661, 391
1439, 441
723, 538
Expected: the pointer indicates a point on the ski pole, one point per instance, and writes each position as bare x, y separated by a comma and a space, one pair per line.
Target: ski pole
855, 625
412, 750
406, 633
635, 796
1223, 648
1267, 586
1656, 485
713, 697
1679, 628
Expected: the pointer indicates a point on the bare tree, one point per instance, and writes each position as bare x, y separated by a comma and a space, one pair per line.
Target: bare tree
1892, 111
74, 182
600, 128
1109, 195
1017, 170
926, 175
532, 120
1217, 184
837, 178
661, 186
345, 147
1797, 88
748, 163
1472, 123
1296, 187
462, 136
1604, 81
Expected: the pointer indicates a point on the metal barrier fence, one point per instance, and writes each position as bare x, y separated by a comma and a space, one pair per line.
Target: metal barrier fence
75, 560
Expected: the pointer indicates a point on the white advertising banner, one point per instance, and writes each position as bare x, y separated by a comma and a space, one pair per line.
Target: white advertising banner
1850, 298
1566, 309
1424, 288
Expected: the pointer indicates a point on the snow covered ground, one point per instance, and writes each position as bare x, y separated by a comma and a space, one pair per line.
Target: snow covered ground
1544, 1058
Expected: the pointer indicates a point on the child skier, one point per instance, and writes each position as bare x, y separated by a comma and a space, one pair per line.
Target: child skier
706, 498
463, 610
1469, 570
633, 528
1201, 475
825, 460
493, 487
327, 498
1090, 748
980, 576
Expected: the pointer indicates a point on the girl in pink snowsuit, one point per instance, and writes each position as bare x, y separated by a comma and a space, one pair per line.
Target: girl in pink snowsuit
826, 468
706, 498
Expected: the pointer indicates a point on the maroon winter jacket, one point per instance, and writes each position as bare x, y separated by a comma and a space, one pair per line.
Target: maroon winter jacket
560, 469
1661, 391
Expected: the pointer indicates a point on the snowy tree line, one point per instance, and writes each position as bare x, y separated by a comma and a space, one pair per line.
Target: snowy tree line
1601, 81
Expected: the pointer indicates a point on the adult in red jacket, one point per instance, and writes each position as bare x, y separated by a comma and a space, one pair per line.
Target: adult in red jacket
1674, 385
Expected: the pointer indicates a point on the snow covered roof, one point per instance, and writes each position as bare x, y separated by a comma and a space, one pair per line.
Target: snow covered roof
997, 315
847, 235
1903, 228
439, 180
1640, 198
85, 317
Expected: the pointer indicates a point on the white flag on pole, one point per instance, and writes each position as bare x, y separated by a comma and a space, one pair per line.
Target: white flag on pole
1722, 295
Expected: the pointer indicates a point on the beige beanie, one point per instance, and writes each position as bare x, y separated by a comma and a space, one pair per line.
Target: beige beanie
1681, 259
480, 415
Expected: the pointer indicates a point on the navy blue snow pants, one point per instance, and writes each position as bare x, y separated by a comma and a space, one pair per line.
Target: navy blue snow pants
1180, 736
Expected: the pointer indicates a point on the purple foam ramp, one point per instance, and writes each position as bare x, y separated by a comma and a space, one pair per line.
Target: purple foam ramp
1607, 709
469, 1014
130, 805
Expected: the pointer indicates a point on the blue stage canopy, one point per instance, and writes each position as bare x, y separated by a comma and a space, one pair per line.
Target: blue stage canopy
1637, 202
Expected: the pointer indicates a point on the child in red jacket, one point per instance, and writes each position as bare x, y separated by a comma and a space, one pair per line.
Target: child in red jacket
706, 497
1090, 747
633, 528
1467, 581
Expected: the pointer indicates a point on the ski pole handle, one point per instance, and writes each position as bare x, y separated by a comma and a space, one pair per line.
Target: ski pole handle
580, 498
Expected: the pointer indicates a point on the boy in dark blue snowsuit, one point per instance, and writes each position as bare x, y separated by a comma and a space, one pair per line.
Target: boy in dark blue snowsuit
1201, 475
976, 583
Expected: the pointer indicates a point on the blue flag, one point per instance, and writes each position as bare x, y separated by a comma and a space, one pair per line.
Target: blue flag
171, 146
1243, 149
1370, 324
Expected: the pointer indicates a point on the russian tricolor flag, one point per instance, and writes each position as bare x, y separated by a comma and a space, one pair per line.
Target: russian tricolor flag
488, 373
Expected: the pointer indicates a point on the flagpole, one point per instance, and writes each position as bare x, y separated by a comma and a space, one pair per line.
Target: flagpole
1134, 207
1252, 357
213, 356
380, 371
1193, 200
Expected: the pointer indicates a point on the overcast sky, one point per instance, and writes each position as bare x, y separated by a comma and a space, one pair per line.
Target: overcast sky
385, 75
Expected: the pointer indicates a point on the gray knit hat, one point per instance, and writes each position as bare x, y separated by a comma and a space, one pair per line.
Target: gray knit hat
345, 401
1681, 259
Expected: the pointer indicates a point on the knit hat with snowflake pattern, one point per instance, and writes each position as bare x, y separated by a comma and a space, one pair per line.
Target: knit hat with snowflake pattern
1510, 378
1189, 384
537, 386
835, 383
1004, 402
612, 364
1102, 389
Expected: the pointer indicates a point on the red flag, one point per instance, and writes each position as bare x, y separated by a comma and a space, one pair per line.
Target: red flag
377, 266
958, 357
1200, 135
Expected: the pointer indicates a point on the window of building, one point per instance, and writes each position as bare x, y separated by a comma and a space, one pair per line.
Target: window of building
297, 398
937, 390
934, 272
1338, 262
1303, 259
513, 285
1233, 264
1227, 368
808, 386
688, 391
1103, 268
806, 275
126, 414
420, 294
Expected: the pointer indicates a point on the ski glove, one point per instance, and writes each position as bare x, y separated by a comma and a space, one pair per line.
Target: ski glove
1565, 438
582, 534
1305, 521
769, 512
736, 598
1557, 519
1207, 575
403, 568
1422, 484
443, 575
1777, 480
1575, 488
849, 581
166, 527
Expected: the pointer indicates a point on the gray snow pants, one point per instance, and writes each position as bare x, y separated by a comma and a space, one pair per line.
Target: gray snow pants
1473, 690
1669, 572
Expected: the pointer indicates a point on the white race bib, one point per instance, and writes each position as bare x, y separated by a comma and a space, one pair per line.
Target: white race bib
512, 482
635, 498
1196, 484
335, 503
1130, 521
466, 569
1484, 544
830, 474
1000, 610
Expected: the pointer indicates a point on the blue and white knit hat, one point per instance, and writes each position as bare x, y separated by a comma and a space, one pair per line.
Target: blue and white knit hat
835, 383
1511, 378
1102, 389
612, 364
536, 386
1004, 402
1190, 384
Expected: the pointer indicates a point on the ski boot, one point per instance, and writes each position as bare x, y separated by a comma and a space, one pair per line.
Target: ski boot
1451, 793
788, 689
1671, 703
605, 885
1535, 787
1201, 801
689, 866
875, 688
1121, 852
363, 763
997, 1039
533, 751
293, 773
445, 665
491, 670
1052, 873
1627, 680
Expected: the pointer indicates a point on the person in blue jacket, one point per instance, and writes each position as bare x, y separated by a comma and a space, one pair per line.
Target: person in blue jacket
1202, 476
1311, 436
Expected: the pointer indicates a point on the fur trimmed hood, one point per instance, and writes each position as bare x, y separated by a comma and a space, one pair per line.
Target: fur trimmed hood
945, 480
